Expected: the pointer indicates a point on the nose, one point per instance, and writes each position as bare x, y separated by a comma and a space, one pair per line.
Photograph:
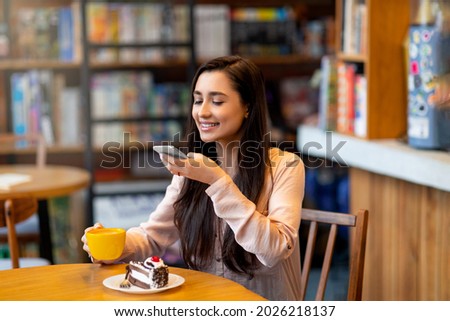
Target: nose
204, 110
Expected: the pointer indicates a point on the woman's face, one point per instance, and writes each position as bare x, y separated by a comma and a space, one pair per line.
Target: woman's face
217, 110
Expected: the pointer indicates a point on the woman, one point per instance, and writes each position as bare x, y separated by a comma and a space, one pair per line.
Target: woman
235, 203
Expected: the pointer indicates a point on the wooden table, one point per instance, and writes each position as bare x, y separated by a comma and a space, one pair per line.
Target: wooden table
47, 182
84, 282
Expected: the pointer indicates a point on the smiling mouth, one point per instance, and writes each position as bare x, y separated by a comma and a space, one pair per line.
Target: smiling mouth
208, 125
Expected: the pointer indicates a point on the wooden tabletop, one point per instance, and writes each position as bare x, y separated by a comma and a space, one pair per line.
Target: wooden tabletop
84, 282
47, 181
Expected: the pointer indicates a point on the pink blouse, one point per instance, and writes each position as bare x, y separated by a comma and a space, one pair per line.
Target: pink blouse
268, 229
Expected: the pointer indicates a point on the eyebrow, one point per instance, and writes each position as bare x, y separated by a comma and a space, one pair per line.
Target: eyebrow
212, 93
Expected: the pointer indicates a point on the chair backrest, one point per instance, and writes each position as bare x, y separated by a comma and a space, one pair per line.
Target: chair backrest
357, 224
36, 143
37, 139
14, 209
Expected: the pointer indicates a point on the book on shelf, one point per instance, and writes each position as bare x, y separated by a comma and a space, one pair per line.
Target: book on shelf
97, 22
169, 99
121, 94
360, 123
142, 133
263, 30
114, 24
361, 28
59, 84
272, 30
125, 96
314, 42
354, 27
328, 94
99, 30
212, 30
77, 46
66, 34
46, 105
19, 104
347, 25
128, 30
341, 116
129, 94
126, 210
47, 44
345, 103
351, 90
24, 33
181, 27
36, 102
46, 33
149, 22
3, 108
175, 28
136, 23
350, 72
4, 40
30, 104
37, 105
316, 37
70, 116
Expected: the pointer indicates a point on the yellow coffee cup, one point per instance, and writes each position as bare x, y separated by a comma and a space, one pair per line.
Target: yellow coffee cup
106, 243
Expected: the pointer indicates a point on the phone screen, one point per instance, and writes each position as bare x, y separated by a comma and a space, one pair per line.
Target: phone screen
170, 150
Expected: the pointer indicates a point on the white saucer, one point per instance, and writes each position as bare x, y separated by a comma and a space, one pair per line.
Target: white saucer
113, 283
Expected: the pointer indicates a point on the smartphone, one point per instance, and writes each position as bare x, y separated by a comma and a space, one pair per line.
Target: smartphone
170, 150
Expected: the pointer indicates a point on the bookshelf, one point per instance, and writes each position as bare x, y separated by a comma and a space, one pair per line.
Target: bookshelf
312, 35
369, 37
135, 87
46, 69
85, 65
23, 61
275, 67
301, 58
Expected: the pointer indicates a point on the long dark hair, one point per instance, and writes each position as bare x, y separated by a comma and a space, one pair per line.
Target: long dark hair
195, 219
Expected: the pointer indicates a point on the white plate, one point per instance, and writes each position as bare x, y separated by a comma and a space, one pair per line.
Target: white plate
113, 283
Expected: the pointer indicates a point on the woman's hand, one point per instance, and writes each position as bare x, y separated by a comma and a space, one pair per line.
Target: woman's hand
84, 239
196, 167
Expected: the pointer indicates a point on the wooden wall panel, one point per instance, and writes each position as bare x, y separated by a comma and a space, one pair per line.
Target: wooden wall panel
408, 247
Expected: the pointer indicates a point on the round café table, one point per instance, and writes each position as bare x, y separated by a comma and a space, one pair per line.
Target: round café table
84, 282
46, 182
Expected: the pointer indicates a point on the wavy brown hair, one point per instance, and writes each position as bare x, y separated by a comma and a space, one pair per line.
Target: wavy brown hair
195, 219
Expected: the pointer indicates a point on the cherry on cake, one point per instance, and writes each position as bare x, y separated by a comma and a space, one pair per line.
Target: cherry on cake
150, 274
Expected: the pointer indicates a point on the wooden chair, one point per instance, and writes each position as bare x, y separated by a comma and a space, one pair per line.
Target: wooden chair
28, 231
33, 140
357, 224
13, 210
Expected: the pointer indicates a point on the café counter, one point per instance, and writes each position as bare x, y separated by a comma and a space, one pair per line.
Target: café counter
407, 193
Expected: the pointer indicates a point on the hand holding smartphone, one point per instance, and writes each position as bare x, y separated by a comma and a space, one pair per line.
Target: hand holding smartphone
170, 150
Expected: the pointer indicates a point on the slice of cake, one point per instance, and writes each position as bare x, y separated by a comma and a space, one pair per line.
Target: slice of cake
150, 274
